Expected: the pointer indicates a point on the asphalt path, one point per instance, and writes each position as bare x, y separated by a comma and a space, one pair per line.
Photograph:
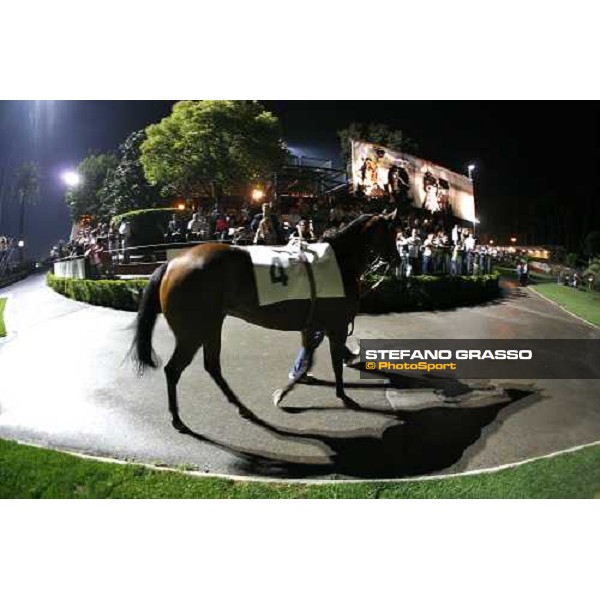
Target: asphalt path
65, 383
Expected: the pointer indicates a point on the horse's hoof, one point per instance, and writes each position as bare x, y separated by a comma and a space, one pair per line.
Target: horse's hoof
180, 426
349, 403
277, 397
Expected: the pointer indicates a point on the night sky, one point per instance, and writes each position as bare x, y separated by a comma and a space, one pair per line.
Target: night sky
536, 161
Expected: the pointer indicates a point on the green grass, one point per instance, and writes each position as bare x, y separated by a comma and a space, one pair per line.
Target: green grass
583, 304
28, 472
2, 326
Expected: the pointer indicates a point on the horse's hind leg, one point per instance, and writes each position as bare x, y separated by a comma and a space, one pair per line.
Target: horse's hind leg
182, 357
212, 364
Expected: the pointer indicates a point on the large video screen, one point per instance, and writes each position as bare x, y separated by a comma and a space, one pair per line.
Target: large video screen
378, 171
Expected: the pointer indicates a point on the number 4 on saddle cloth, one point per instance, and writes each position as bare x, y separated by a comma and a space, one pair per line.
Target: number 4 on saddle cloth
281, 274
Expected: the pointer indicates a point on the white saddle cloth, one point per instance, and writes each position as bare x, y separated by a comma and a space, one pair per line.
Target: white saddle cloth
280, 274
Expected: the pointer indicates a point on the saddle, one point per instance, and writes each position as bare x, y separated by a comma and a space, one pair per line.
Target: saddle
298, 271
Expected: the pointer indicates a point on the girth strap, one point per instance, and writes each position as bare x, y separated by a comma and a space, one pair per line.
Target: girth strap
313, 288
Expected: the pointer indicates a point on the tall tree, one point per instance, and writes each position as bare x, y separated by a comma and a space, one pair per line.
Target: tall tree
377, 133
88, 198
27, 191
591, 244
228, 142
126, 188
5, 185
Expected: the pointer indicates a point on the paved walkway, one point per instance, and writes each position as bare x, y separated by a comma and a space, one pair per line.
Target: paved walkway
64, 383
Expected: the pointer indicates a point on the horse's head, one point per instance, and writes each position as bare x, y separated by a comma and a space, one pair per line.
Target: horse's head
368, 239
380, 235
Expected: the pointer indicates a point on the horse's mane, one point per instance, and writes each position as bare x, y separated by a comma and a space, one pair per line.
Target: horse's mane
348, 230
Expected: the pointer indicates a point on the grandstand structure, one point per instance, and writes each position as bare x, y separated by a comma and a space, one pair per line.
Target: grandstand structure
309, 178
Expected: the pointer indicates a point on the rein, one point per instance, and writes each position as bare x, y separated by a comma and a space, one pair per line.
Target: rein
313, 287
372, 269
375, 266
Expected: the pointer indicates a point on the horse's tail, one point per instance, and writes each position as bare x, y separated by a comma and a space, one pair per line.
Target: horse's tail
148, 311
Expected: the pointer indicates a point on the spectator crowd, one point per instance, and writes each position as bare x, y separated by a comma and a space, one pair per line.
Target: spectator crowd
428, 243
90, 243
259, 224
428, 247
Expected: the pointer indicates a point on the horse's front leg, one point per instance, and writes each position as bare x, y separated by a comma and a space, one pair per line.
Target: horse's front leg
337, 348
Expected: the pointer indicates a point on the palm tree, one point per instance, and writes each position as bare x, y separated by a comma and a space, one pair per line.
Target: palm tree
27, 189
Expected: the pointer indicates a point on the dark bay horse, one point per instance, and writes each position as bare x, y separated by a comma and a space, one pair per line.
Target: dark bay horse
198, 289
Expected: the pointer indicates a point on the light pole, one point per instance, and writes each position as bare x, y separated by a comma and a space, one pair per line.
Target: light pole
71, 179
21, 245
470, 170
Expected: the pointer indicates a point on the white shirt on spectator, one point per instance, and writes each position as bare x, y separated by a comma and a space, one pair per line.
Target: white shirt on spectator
125, 228
455, 234
470, 243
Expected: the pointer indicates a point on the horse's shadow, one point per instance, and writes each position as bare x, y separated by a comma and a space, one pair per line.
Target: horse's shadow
416, 442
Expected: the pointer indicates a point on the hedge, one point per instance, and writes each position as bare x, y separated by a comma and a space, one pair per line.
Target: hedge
133, 214
427, 292
120, 294
417, 293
